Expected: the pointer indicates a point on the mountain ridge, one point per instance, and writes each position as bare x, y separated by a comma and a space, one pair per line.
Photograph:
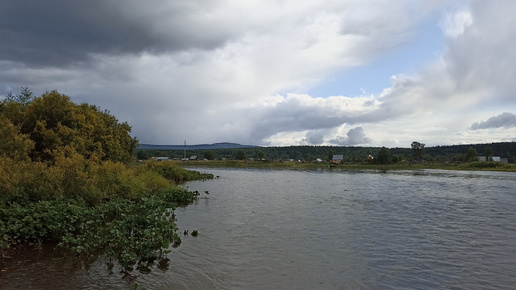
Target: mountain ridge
221, 145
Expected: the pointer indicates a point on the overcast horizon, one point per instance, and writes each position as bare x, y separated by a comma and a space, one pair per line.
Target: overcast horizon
274, 73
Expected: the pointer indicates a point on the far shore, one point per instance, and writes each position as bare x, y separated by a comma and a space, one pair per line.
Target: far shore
473, 166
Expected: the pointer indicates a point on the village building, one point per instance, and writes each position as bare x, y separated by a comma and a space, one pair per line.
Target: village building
337, 159
161, 158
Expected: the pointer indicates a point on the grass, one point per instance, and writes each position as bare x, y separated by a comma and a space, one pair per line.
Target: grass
475, 166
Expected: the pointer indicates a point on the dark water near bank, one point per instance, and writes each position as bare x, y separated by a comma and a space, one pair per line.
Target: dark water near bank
279, 229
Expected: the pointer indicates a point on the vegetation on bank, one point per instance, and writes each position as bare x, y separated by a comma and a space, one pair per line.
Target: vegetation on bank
65, 177
442, 154
383, 158
488, 166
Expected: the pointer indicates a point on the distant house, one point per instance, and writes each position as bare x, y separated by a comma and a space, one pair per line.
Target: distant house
318, 160
337, 159
193, 157
494, 158
161, 158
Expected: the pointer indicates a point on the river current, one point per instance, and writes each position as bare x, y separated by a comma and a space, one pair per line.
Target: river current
322, 229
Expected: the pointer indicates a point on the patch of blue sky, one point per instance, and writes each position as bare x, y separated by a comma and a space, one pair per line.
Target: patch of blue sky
371, 78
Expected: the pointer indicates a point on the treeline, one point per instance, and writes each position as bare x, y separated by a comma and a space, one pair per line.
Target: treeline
350, 154
65, 176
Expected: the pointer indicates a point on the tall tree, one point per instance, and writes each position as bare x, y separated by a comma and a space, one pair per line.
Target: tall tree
209, 154
383, 155
53, 122
417, 150
489, 153
142, 155
330, 155
472, 154
240, 155
24, 97
13, 144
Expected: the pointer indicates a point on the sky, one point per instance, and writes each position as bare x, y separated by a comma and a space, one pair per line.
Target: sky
274, 73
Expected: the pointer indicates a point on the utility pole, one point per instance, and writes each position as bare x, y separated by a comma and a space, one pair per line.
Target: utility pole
184, 155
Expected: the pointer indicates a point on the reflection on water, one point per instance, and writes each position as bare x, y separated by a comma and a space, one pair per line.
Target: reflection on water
322, 229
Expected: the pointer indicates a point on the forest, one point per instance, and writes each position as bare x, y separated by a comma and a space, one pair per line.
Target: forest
453, 153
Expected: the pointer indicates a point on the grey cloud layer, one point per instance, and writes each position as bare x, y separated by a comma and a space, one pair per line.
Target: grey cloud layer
504, 120
211, 71
60, 32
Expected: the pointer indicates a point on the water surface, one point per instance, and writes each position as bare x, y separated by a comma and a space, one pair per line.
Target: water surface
338, 229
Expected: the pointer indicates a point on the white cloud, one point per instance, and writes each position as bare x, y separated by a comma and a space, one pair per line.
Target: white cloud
454, 25
211, 71
355, 136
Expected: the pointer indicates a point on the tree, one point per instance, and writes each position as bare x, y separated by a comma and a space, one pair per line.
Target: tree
472, 155
142, 155
24, 97
489, 154
417, 150
240, 155
260, 155
383, 155
210, 154
330, 155
13, 144
53, 122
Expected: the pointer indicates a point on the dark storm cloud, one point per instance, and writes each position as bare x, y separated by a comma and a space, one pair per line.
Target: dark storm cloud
505, 120
60, 32
212, 70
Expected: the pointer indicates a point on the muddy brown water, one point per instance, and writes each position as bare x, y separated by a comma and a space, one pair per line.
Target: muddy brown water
322, 229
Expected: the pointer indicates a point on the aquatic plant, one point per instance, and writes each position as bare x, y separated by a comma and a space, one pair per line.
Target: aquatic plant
120, 211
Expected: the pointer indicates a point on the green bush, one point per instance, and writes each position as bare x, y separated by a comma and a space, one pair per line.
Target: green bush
64, 177
93, 208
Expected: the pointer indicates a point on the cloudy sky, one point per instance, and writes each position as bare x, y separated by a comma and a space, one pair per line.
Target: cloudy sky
341, 72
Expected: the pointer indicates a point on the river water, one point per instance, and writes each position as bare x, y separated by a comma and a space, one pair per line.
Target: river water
321, 229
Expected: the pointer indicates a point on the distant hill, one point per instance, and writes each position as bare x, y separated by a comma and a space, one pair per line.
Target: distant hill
229, 150
223, 145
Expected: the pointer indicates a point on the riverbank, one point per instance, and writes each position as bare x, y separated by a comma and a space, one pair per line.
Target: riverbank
473, 166
92, 209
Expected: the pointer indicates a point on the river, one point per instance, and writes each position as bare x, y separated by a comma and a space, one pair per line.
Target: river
321, 229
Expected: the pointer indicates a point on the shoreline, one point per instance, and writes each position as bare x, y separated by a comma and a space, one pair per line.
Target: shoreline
471, 166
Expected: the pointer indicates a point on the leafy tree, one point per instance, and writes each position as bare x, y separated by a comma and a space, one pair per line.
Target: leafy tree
24, 97
330, 155
383, 155
489, 153
53, 122
240, 155
142, 155
260, 155
13, 144
210, 154
472, 155
417, 150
